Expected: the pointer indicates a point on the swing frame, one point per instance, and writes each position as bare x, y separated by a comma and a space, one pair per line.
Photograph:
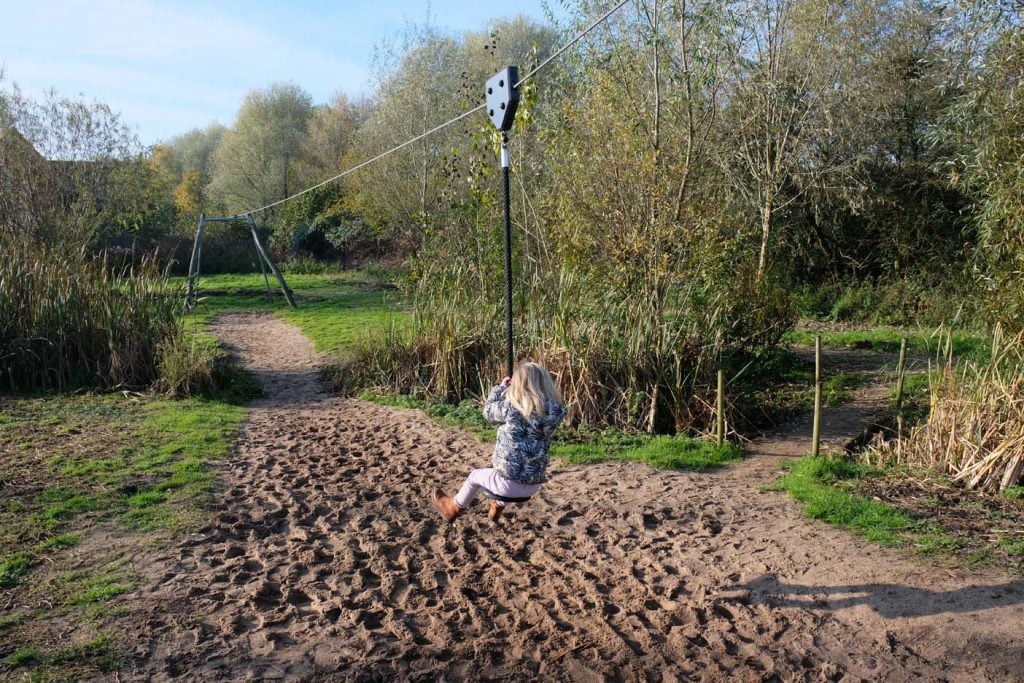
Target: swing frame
194, 265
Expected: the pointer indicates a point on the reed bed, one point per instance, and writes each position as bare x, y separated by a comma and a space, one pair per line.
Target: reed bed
975, 430
67, 322
634, 362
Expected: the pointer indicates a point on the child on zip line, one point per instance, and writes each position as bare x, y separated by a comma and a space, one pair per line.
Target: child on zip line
528, 407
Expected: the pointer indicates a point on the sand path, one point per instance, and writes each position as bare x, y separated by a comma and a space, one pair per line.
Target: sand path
326, 561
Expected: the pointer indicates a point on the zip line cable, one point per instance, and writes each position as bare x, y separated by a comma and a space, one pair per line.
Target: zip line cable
447, 123
572, 42
368, 161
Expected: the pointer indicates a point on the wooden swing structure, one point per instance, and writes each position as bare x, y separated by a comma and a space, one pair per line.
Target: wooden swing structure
192, 292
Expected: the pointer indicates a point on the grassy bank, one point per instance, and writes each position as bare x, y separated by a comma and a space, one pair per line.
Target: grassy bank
926, 515
93, 480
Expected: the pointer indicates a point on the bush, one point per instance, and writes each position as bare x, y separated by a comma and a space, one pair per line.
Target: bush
303, 265
904, 302
192, 365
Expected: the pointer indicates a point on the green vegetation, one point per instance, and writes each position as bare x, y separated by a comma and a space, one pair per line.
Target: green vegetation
13, 568
1014, 492
664, 452
335, 309
908, 301
23, 656
890, 506
12, 619
936, 543
824, 486
99, 652
137, 462
838, 389
920, 342
99, 589
59, 542
69, 323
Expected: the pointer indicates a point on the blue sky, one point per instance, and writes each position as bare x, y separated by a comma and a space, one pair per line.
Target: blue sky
169, 66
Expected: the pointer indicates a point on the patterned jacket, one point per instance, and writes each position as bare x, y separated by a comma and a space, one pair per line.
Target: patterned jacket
521, 451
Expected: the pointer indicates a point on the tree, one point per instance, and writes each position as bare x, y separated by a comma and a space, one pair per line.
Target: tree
256, 160
329, 137
193, 150
70, 170
984, 129
784, 90
188, 194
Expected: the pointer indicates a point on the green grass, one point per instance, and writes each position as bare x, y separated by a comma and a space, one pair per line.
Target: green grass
1014, 492
141, 462
822, 485
664, 452
1013, 545
334, 310
919, 342
23, 656
98, 589
13, 619
159, 463
58, 542
60, 504
936, 543
99, 652
13, 568
838, 389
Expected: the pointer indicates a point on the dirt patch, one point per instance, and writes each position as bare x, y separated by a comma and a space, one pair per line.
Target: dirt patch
325, 559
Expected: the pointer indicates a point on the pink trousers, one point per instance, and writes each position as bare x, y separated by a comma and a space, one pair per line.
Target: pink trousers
490, 479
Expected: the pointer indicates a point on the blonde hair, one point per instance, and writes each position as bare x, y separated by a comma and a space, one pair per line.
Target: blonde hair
531, 386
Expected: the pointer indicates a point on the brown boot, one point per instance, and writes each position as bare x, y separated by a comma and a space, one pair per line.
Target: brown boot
494, 513
449, 509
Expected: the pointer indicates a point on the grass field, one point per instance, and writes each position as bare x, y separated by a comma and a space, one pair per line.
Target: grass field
91, 479
334, 310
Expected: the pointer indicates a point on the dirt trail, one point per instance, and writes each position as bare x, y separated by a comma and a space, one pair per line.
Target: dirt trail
326, 561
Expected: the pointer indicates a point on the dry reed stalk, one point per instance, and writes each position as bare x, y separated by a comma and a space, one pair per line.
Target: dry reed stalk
975, 432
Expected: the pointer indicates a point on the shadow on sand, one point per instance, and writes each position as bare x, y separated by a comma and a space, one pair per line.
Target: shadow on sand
889, 600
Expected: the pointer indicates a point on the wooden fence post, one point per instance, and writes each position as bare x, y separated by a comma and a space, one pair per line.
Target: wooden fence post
720, 409
816, 436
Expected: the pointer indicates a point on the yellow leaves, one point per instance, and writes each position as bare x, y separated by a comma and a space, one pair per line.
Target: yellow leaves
188, 195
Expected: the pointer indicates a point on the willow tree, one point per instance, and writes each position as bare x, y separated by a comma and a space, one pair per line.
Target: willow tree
784, 89
984, 129
254, 164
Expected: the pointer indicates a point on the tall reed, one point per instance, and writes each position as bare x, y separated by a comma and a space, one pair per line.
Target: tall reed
632, 361
67, 322
975, 430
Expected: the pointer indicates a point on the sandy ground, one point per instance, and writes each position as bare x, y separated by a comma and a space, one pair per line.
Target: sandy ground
326, 561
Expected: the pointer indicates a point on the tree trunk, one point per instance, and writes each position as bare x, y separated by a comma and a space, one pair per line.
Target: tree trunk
767, 214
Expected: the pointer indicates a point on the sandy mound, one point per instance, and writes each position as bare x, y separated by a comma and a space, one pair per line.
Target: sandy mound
325, 560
